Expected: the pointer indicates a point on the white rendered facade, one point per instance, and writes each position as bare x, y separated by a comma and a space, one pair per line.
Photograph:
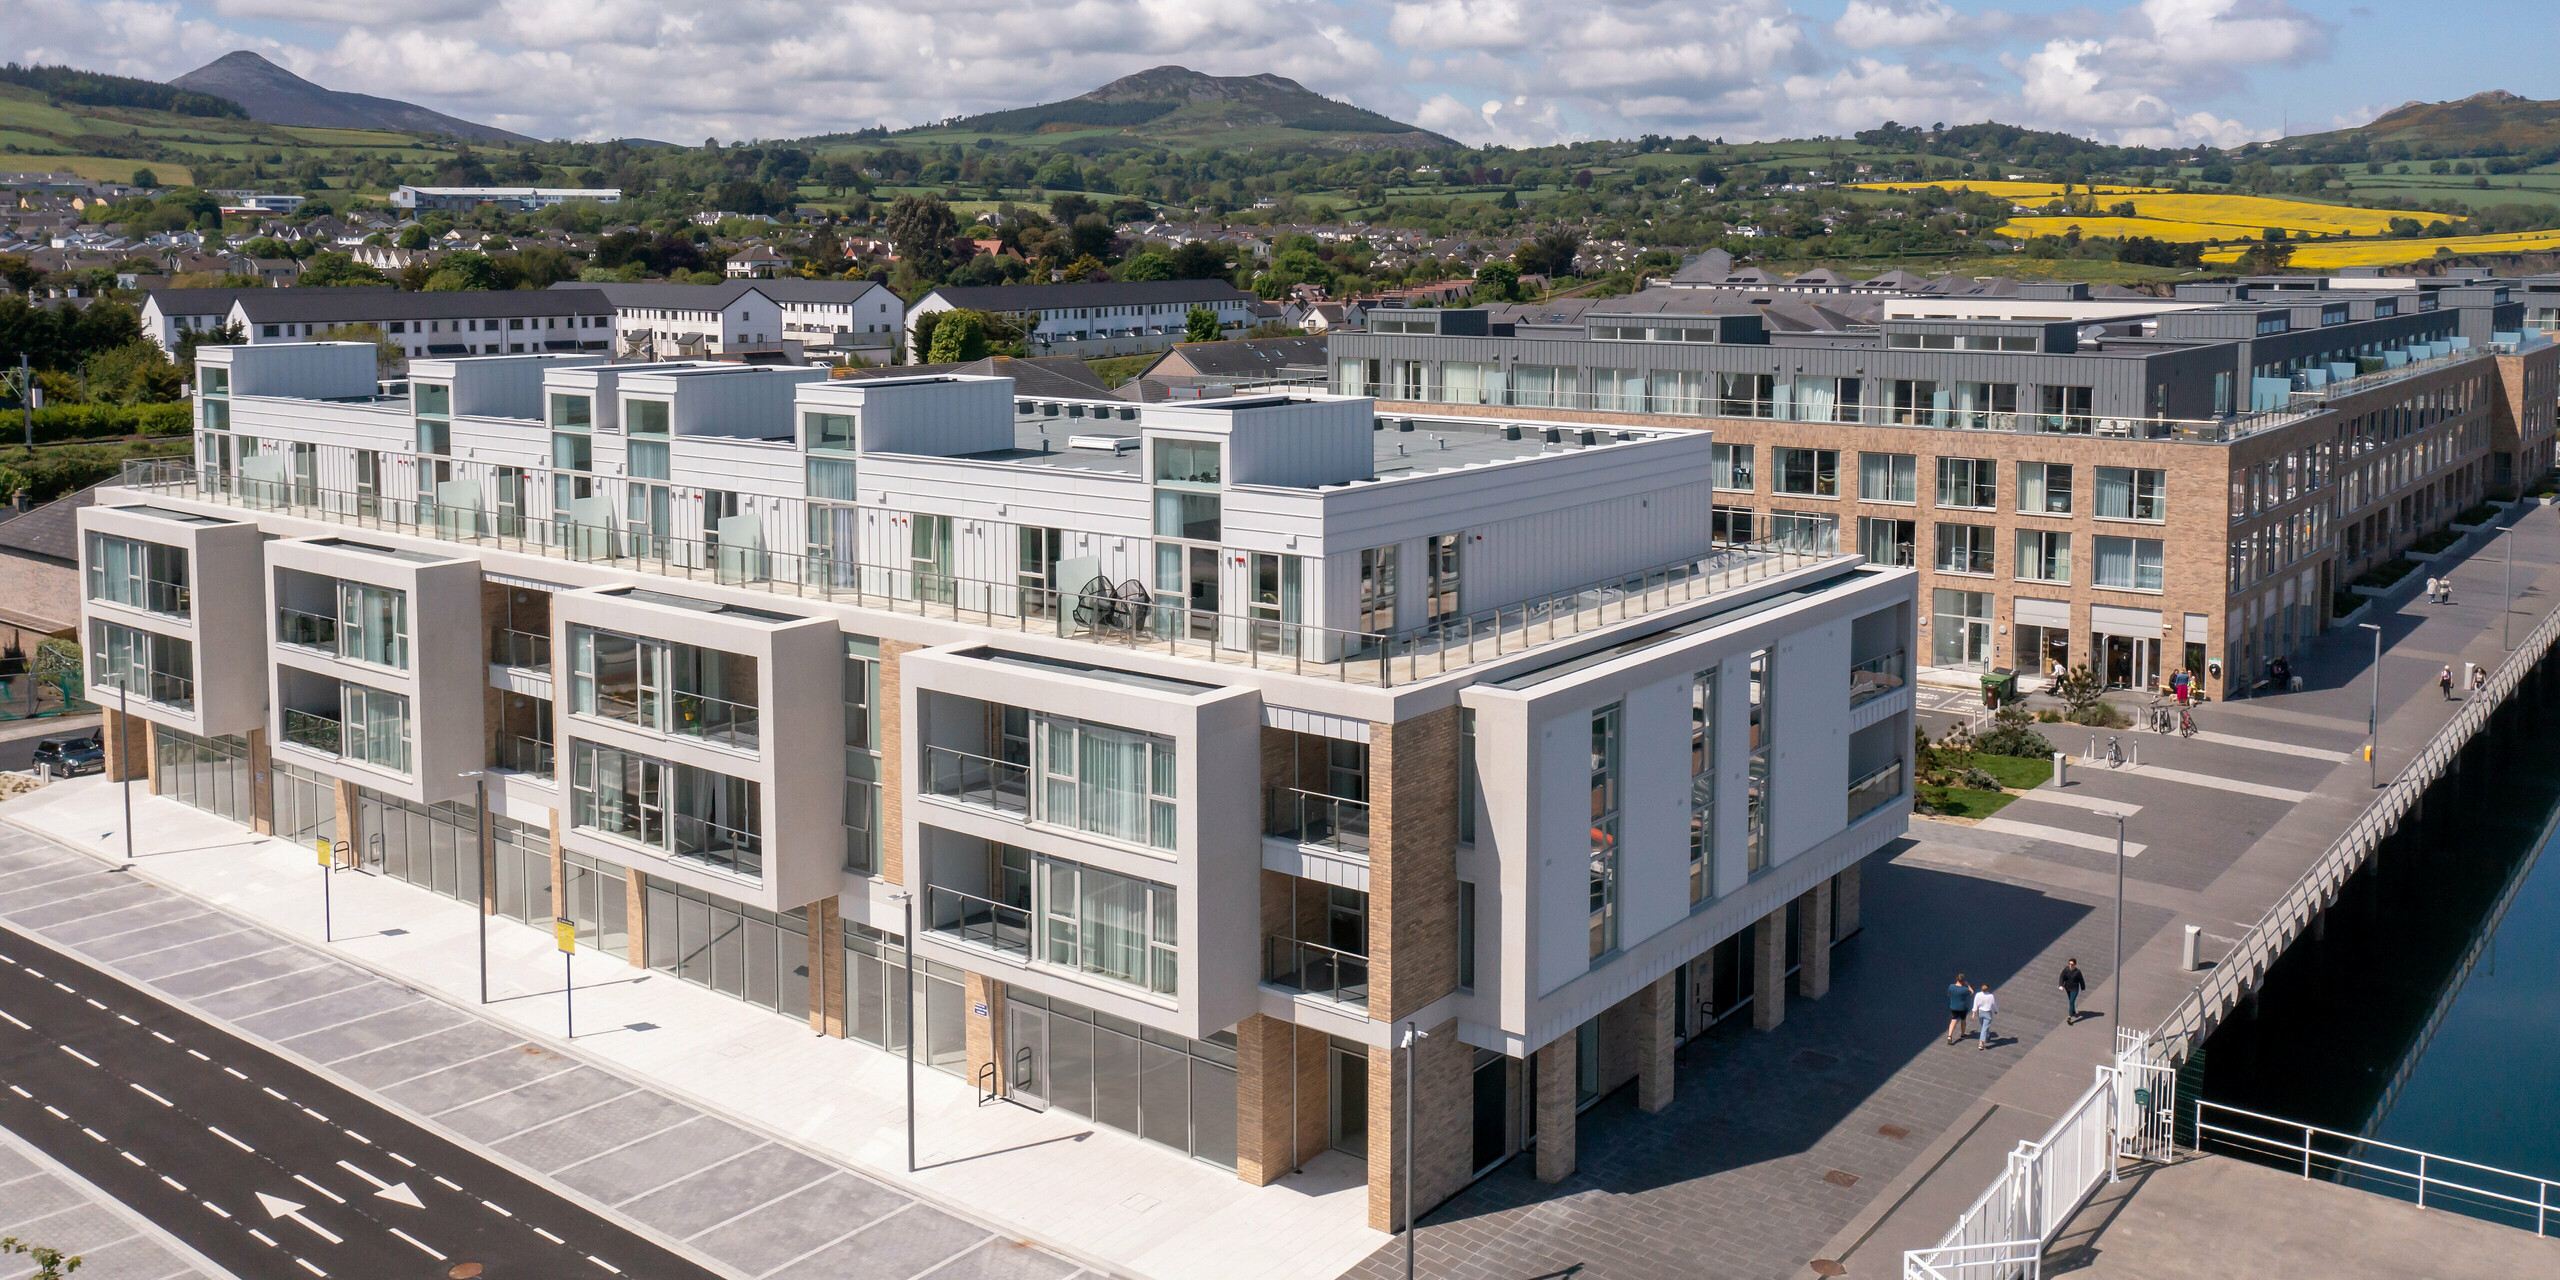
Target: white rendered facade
1252, 723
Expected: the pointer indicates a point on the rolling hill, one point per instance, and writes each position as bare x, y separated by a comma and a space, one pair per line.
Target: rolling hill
278, 96
1177, 104
2491, 123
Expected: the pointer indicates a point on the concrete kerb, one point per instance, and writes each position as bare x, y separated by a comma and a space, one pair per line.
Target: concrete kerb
562, 1047
1846, 1240
123, 1212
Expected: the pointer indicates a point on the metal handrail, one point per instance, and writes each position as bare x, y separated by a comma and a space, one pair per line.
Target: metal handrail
978, 780
736, 725
523, 650
307, 630
1878, 676
152, 686
2196, 1014
526, 755
2311, 1156
1316, 969
981, 922
1998, 1258
314, 732
722, 847
1314, 818
1383, 659
1882, 787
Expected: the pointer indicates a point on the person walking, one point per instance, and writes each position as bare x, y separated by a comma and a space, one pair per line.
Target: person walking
1983, 1007
1959, 1003
2073, 983
2434, 585
2479, 679
2445, 682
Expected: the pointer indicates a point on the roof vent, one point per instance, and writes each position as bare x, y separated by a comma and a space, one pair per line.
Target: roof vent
1404, 424
1591, 437
1511, 432
1103, 444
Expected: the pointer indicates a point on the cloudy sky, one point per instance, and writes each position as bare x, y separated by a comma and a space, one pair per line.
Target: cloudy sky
1509, 71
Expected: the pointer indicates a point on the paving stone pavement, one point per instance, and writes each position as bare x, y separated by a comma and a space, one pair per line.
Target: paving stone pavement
42, 1203
1730, 1182
756, 1207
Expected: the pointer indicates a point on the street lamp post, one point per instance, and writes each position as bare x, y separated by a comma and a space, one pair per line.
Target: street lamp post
480, 806
1413, 1036
907, 901
2373, 713
2507, 615
124, 748
2115, 1007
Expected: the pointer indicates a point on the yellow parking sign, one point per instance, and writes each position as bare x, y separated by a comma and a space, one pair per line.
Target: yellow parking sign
322, 844
567, 931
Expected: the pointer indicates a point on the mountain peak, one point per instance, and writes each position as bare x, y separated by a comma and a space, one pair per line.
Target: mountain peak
278, 96
1172, 100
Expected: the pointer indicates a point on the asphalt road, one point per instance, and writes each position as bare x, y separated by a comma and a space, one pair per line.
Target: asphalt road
264, 1167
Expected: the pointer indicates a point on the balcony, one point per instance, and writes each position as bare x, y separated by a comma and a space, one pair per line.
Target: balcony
524, 755
1317, 820
722, 848
315, 732
178, 693
979, 781
1875, 791
522, 650
978, 922
1876, 677
1094, 617
307, 630
1316, 970
717, 721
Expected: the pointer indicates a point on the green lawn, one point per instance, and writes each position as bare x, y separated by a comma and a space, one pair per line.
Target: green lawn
1962, 802
1115, 370
2014, 772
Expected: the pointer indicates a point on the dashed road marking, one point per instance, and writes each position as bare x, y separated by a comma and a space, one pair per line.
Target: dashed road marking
321, 1189
448, 1184
228, 1138
548, 1236
20, 1092
134, 1160
500, 1212
153, 1096
66, 990
162, 1038
306, 1265
127, 1020
315, 1115
57, 1112
268, 1240
14, 1022
94, 1135
93, 1003
604, 1264
422, 1245
358, 1137
77, 1054
217, 1208
174, 1184
270, 1092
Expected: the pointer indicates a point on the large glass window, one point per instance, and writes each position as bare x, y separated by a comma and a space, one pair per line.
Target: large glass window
669, 688
1888, 477
1968, 482
831, 431
1111, 782
1730, 466
373, 624
570, 412
138, 575
1809, 472
645, 417
1605, 795
1378, 590
1755, 813
2044, 556
1702, 787
1817, 532
2128, 564
1108, 925
2065, 409
676, 809
2133, 493
1888, 542
145, 664
1175, 1092
377, 727
1187, 478
862, 755
1960, 628
1965, 548
743, 952
1746, 395
2044, 488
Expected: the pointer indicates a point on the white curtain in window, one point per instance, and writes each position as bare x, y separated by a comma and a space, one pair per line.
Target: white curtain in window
1534, 385
1111, 777
1115, 925
2115, 493
2115, 562
1815, 397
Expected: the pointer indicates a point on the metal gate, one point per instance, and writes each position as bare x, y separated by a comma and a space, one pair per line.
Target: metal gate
2146, 1098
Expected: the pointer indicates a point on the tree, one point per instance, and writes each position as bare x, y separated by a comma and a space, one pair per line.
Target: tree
229, 335
413, 237
922, 230
334, 268
20, 274
1150, 265
961, 337
1500, 280
464, 271
145, 178
2080, 690
1550, 255
51, 1264
1199, 260
1200, 325
131, 373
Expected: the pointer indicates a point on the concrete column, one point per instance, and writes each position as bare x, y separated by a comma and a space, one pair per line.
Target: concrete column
1846, 886
1654, 1044
262, 792
151, 754
983, 1023
1813, 942
1558, 1069
1769, 970
1265, 1053
342, 797
826, 967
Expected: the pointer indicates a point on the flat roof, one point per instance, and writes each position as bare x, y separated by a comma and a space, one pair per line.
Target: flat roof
391, 553
1558, 670
163, 513
1113, 675
1433, 444
644, 595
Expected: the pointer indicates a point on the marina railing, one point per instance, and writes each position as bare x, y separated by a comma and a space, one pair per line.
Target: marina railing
1126, 615
2264, 942
2441, 1182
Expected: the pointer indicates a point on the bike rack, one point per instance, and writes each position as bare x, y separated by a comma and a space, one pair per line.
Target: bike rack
986, 1084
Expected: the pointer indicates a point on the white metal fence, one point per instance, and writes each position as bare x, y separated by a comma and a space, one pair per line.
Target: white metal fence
2442, 1182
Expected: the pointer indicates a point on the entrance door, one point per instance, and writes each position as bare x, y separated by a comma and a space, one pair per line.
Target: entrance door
1350, 1102
1492, 1110
1027, 1045
372, 838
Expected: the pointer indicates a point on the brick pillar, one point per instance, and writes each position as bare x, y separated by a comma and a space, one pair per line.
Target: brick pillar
1846, 887
262, 792
1265, 1064
1558, 1070
826, 968
1769, 970
893, 763
1313, 1100
983, 1021
559, 873
635, 909
1654, 1007
123, 745
151, 754
342, 803
1443, 1098
1813, 942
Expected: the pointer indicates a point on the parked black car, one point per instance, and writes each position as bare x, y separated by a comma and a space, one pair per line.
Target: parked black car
71, 757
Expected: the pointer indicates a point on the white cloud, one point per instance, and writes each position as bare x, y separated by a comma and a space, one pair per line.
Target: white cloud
1876, 24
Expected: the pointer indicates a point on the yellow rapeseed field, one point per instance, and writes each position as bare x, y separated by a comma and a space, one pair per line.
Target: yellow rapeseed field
2101, 225
2331, 255
2268, 211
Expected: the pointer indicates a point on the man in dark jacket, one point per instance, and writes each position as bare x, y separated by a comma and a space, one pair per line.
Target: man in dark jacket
2073, 983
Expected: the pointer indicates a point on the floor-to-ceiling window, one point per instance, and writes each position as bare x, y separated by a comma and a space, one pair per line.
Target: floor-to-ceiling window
737, 950
208, 773
1167, 1089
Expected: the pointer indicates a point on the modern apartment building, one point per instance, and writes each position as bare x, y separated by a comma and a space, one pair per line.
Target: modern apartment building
822, 319
2196, 487
1201, 750
1095, 318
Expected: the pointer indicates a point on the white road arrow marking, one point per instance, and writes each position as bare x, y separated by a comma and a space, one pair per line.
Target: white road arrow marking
279, 1207
396, 1191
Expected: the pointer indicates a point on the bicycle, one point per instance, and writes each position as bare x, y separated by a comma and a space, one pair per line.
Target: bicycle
2186, 722
2115, 753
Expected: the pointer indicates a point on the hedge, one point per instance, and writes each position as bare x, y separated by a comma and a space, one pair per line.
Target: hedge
60, 423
